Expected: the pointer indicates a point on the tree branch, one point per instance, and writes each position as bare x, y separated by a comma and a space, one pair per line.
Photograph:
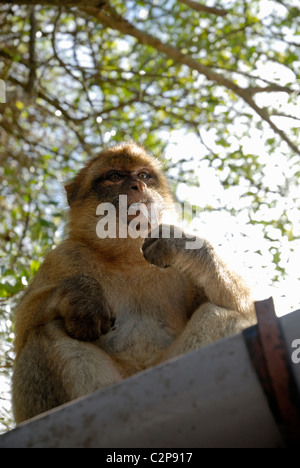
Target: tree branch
117, 22
285, 115
272, 88
203, 8
32, 55
56, 3
111, 19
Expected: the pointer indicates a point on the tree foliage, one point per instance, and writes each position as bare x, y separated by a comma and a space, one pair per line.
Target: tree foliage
81, 75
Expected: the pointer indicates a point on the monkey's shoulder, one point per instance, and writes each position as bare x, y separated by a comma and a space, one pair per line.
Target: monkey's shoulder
66, 260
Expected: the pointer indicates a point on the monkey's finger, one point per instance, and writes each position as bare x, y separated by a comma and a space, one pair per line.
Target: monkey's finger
149, 249
148, 243
112, 321
106, 324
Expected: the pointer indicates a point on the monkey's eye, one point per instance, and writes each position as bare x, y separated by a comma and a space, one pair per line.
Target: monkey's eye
144, 175
114, 177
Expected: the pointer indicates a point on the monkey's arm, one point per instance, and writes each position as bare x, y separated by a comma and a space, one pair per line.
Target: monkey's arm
79, 300
229, 308
203, 266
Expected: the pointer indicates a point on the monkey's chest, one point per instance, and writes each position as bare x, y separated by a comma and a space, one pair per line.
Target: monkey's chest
136, 341
150, 313
143, 330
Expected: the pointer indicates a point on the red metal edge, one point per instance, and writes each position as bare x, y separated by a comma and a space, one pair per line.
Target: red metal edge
279, 368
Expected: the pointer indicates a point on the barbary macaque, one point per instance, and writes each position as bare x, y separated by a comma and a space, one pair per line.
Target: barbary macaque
107, 304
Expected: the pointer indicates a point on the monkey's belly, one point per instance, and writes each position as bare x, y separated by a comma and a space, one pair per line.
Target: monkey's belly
137, 341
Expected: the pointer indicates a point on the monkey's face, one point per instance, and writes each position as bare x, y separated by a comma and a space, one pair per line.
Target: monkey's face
138, 183
124, 176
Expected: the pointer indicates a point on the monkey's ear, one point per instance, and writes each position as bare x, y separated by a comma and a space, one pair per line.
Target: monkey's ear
72, 190
74, 186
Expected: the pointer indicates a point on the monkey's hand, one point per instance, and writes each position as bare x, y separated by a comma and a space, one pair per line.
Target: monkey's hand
169, 245
80, 302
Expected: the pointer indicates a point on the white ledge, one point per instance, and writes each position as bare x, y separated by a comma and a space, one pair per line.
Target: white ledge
208, 398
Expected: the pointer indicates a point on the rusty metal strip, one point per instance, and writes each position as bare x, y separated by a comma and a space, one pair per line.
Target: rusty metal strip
271, 360
259, 363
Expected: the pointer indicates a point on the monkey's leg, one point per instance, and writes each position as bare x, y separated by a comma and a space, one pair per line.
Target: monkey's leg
209, 323
53, 369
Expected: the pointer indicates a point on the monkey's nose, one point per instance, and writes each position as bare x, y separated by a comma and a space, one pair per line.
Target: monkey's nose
138, 185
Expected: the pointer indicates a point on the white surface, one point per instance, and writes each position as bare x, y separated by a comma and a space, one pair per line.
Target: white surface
209, 398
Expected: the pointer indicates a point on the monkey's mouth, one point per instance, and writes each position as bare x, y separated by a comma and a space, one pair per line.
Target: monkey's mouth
140, 209
144, 210
125, 200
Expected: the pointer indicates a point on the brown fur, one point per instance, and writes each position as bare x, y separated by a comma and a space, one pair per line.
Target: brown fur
100, 310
